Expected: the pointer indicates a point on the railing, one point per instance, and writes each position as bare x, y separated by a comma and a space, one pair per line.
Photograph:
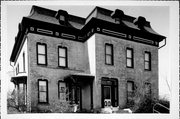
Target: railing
160, 106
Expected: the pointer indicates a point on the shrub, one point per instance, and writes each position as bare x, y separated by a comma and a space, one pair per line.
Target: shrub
146, 106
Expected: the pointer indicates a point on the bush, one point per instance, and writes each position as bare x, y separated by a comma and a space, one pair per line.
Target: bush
146, 106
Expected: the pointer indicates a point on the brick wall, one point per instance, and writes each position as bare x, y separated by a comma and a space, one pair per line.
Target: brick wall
52, 72
78, 62
119, 70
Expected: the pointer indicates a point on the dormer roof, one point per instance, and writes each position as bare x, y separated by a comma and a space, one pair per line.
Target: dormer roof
62, 24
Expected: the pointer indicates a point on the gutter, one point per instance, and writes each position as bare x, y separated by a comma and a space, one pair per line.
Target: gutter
163, 44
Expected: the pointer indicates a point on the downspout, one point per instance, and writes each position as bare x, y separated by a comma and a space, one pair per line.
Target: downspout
163, 44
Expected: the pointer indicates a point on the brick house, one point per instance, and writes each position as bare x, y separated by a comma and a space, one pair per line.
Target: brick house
94, 62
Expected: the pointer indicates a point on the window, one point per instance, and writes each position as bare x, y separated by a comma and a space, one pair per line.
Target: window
41, 54
22, 93
130, 91
42, 91
24, 62
147, 61
129, 57
61, 90
62, 18
147, 89
17, 69
109, 54
130, 88
62, 51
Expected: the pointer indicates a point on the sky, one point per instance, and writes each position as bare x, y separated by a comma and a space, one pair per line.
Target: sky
157, 15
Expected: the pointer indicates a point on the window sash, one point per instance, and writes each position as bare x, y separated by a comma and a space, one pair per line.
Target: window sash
62, 52
130, 90
41, 53
41, 49
108, 59
130, 86
109, 54
129, 62
42, 96
62, 56
147, 88
62, 61
43, 93
62, 17
147, 65
41, 59
108, 49
129, 53
147, 61
129, 57
147, 57
62, 90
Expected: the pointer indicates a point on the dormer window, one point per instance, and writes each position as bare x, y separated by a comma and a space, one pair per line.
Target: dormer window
140, 22
117, 16
62, 16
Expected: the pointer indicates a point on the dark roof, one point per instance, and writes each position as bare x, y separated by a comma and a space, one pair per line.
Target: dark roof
47, 15
80, 26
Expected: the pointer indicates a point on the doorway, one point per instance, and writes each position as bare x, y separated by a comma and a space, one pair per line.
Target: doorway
107, 96
109, 92
75, 95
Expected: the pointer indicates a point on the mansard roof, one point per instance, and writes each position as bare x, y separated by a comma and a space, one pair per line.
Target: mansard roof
61, 24
47, 15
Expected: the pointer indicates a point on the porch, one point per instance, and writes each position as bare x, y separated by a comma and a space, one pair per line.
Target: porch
20, 83
81, 90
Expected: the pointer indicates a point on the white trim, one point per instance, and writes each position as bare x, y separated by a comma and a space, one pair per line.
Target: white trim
80, 38
114, 33
44, 31
68, 35
142, 39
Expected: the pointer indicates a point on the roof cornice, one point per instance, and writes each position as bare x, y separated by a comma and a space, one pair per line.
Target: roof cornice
126, 29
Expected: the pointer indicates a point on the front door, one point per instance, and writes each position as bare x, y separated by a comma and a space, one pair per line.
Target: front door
107, 96
109, 92
75, 95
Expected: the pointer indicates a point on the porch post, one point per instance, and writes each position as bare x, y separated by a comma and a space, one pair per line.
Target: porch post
91, 86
